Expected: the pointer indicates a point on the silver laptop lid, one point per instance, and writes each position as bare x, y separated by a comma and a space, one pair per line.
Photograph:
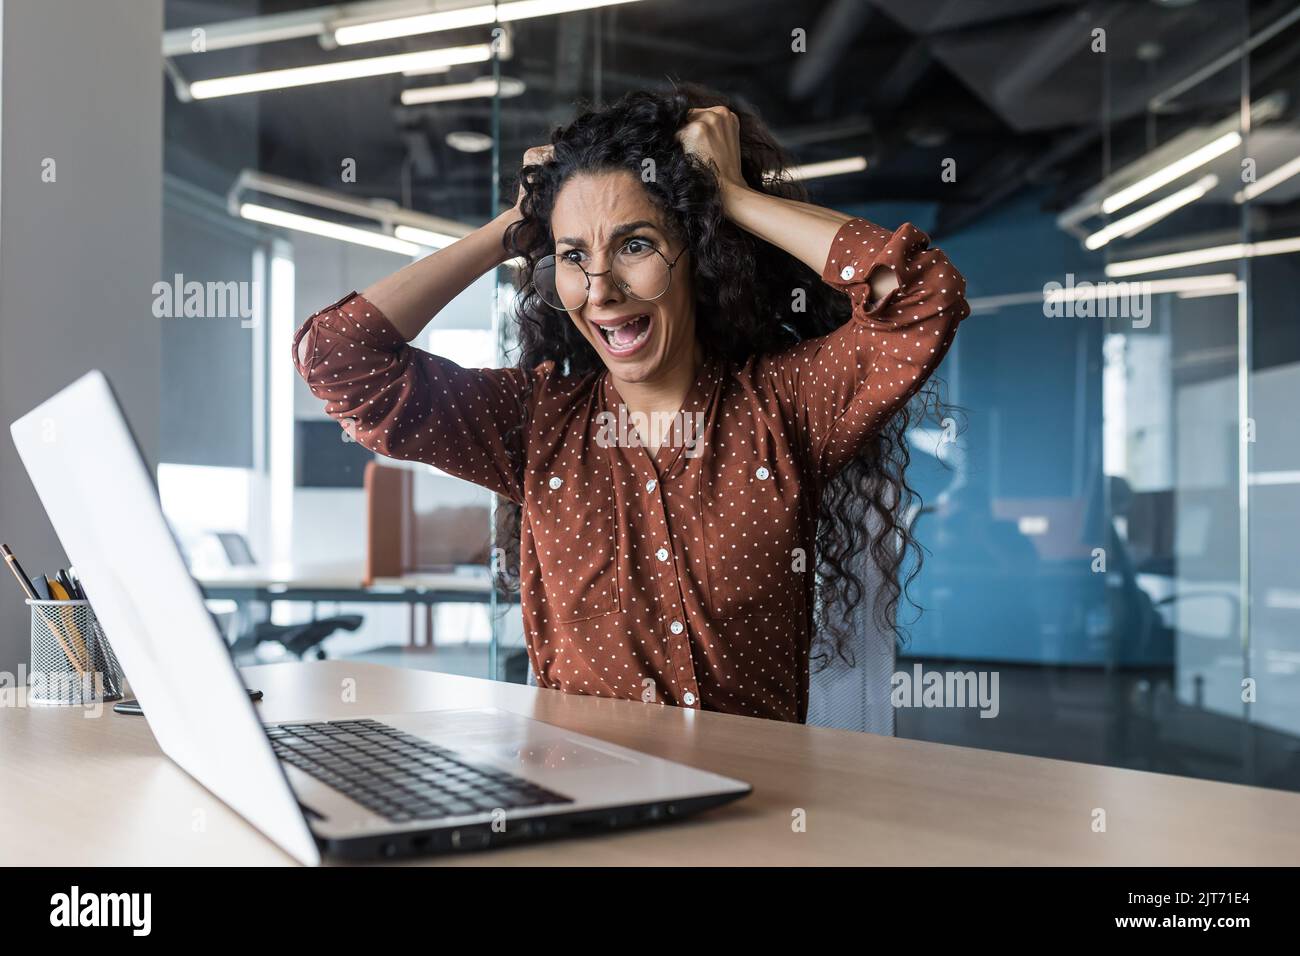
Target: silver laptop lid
103, 503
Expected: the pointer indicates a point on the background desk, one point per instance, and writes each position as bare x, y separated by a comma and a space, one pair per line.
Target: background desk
98, 791
342, 583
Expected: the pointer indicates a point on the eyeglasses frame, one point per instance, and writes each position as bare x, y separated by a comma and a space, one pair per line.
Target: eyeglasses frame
591, 275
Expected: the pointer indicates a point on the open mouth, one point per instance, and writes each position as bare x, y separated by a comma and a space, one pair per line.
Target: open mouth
628, 336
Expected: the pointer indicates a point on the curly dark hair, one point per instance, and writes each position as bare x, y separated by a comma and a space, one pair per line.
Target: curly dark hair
747, 286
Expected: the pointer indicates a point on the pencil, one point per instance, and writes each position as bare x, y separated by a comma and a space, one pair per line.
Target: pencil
59, 592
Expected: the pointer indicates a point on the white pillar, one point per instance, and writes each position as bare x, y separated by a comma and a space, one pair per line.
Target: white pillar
80, 237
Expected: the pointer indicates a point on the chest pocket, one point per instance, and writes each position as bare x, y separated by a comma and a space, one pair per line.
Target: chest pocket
572, 521
756, 558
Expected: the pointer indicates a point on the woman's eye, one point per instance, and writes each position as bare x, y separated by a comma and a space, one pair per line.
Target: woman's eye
637, 246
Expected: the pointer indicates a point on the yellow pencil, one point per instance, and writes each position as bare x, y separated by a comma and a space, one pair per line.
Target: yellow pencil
60, 593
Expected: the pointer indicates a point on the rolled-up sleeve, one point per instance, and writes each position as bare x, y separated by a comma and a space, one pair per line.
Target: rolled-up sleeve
843, 386
403, 402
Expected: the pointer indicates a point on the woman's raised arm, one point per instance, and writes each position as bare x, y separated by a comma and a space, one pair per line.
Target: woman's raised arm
406, 403
415, 293
412, 295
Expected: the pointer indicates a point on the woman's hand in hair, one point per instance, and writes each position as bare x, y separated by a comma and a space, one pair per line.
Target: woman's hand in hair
533, 156
713, 134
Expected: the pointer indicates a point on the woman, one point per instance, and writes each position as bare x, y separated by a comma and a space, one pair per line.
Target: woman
704, 430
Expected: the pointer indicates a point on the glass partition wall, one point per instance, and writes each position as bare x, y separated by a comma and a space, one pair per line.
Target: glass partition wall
1110, 504
1200, 477
1111, 514
1174, 399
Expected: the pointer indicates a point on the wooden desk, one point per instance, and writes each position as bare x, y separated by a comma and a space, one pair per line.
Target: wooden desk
98, 791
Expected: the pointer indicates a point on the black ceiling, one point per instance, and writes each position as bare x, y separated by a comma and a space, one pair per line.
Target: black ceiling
1010, 89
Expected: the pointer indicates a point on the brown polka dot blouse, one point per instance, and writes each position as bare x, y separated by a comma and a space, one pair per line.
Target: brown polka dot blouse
685, 577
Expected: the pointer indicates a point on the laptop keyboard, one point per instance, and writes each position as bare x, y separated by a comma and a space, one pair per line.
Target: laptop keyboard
400, 776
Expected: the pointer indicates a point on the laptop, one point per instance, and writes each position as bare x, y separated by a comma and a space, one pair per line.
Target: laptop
372, 786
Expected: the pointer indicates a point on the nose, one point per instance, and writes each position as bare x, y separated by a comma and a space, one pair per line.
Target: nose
604, 290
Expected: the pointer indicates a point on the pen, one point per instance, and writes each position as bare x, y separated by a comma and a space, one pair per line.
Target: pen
23, 582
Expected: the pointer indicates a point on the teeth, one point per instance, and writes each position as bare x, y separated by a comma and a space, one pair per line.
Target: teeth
610, 330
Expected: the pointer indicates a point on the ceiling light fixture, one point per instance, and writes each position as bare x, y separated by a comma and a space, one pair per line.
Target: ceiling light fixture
329, 230
427, 70
469, 141
1149, 215
483, 87
392, 220
1167, 174
1279, 175
347, 33
831, 167
1187, 285
332, 72
438, 240
424, 237
1163, 164
1198, 257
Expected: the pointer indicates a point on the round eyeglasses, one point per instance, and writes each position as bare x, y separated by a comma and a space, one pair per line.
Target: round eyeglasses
639, 270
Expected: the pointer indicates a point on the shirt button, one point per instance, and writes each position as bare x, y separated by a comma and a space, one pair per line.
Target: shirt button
688, 698
762, 474
676, 627
846, 273
651, 485
662, 554
556, 482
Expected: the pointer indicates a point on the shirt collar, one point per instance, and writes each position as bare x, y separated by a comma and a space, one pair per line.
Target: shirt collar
695, 408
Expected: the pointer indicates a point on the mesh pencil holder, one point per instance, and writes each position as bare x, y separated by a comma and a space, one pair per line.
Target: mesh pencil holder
72, 662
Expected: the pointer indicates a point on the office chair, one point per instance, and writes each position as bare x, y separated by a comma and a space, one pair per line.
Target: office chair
298, 639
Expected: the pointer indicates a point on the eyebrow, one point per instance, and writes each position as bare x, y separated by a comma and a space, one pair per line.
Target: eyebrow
616, 233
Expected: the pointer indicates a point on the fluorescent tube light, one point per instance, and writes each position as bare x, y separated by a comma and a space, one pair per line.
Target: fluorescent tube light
438, 240
427, 70
330, 230
1149, 215
347, 34
332, 72
1226, 288
1191, 287
1198, 257
484, 86
424, 237
831, 167
1167, 174
1279, 175
1187, 285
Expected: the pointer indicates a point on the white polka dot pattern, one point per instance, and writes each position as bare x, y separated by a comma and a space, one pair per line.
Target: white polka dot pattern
684, 577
